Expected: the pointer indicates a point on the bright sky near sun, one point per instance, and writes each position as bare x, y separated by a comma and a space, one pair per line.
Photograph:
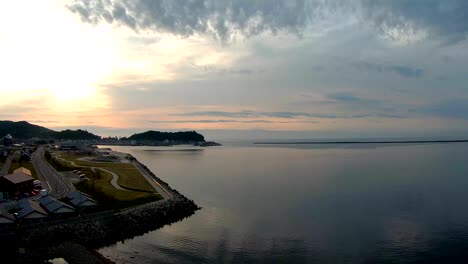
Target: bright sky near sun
319, 67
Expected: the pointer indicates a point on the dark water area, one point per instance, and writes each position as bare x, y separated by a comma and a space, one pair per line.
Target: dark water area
401, 203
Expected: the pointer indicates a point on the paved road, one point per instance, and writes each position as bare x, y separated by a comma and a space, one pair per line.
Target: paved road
57, 183
6, 166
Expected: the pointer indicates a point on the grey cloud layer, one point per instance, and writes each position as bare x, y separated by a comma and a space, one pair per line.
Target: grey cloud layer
219, 18
227, 18
446, 18
286, 115
219, 121
401, 70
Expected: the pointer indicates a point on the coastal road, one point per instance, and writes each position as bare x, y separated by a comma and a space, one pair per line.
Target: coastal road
57, 183
6, 166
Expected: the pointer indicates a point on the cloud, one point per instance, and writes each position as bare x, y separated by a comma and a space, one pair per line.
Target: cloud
446, 19
347, 97
406, 71
248, 114
212, 121
43, 121
222, 19
285, 115
401, 70
405, 20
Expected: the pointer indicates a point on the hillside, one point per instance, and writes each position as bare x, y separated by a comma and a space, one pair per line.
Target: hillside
75, 135
188, 136
25, 130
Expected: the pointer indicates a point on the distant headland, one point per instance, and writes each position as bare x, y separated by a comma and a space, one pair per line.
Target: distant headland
27, 132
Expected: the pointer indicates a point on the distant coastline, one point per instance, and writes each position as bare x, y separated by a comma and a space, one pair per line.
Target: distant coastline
362, 142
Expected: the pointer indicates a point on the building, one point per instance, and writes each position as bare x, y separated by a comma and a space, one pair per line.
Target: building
30, 210
23, 170
81, 200
68, 146
13, 185
55, 207
8, 140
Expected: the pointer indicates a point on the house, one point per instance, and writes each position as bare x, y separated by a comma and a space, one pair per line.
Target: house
8, 140
81, 200
23, 170
17, 183
55, 207
30, 210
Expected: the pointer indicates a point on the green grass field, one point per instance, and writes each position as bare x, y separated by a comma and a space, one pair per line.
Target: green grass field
129, 176
100, 188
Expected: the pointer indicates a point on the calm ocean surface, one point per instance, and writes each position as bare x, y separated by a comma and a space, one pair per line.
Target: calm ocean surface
310, 204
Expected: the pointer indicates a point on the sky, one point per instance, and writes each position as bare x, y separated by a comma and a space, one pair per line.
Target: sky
238, 68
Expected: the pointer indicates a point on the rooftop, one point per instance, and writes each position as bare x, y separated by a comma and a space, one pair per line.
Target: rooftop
28, 207
18, 177
52, 205
77, 198
23, 170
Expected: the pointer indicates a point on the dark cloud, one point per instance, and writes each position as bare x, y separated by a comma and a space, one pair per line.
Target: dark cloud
371, 107
224, 19
401, 70
347, 97
406, 71
447, 18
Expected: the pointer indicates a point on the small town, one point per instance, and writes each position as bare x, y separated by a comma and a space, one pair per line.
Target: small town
72, 188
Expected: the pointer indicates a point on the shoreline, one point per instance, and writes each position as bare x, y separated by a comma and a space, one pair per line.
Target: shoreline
101, 229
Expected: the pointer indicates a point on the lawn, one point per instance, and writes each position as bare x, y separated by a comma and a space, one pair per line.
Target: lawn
129, 176
100, 188
27, 165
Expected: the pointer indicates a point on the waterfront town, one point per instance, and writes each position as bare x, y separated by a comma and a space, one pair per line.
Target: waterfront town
56, 191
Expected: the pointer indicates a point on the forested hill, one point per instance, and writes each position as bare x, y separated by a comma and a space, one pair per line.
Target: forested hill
188, 136
76, 135
25, 130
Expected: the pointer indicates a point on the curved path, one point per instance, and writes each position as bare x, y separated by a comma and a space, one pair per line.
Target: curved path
154, 183
114, 180
115, 177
